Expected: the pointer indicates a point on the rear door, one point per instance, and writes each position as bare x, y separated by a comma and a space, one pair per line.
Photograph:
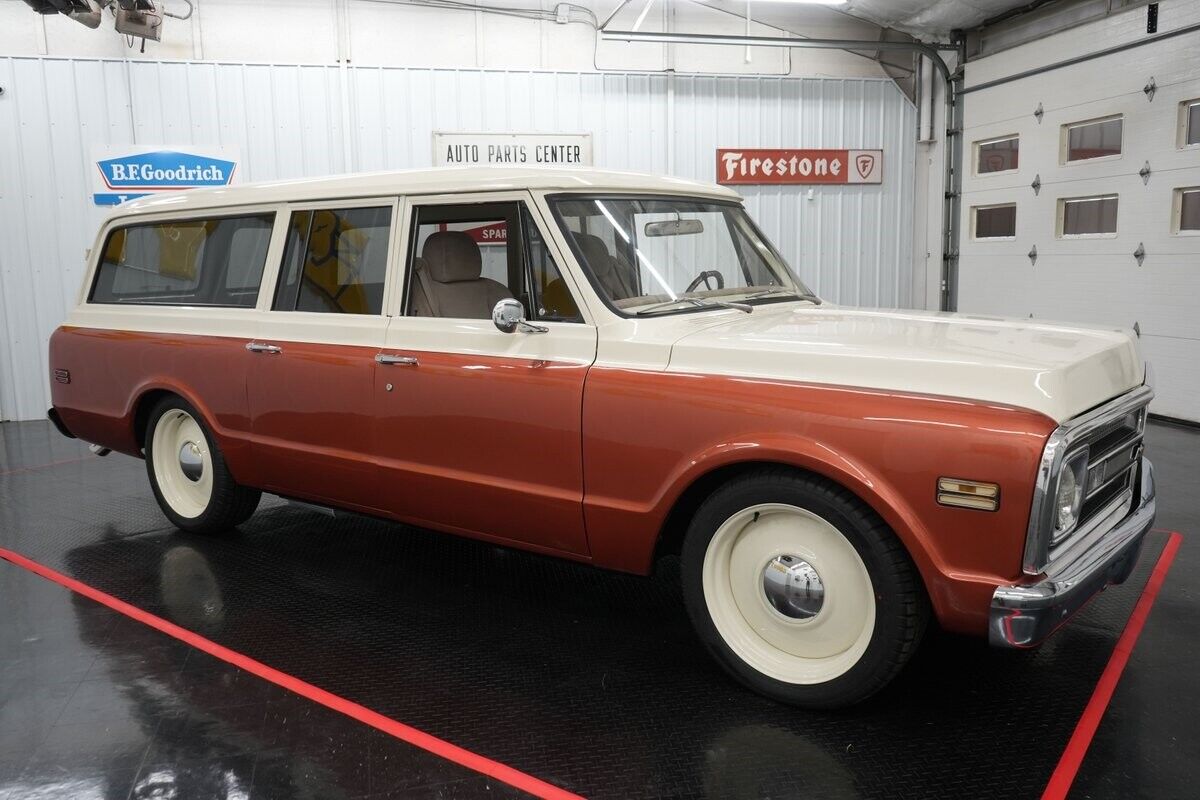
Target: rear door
479, 431
311, 385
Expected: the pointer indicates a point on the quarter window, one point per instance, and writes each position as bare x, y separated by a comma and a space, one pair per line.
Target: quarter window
997, 155
552, 299
335, 261
196, 262
1187, 210
1088, 216
995, 222
1097, 138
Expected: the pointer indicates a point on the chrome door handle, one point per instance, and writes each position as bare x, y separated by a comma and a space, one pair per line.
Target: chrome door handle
259, 347
407, 361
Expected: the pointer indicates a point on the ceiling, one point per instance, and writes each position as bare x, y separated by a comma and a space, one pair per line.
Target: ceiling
926, 20
930, 19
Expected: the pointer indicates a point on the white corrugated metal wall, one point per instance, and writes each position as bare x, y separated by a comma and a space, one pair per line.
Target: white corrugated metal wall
852, 244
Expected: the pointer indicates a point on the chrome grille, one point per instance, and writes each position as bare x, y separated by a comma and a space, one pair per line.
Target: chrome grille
1113, 436
1114, 450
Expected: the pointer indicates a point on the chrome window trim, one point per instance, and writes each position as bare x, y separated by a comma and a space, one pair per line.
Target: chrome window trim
1062, 444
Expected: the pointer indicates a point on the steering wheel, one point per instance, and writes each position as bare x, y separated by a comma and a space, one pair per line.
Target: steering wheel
703, 278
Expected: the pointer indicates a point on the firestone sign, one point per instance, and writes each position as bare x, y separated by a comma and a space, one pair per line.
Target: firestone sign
785, 166
126, 173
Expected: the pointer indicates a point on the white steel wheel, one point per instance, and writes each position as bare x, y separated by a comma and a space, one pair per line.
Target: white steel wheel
182, 463
799, 590
788, 593
191, 481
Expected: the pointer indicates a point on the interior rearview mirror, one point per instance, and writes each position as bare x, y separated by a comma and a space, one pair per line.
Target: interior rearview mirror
674, 227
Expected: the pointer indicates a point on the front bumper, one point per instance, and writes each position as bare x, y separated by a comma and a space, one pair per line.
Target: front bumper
1024, 615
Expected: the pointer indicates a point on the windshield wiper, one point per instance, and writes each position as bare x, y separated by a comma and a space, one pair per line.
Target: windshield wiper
812, 298
663, 308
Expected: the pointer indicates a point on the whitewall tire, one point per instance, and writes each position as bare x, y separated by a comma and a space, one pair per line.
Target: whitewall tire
799, 590
188, 474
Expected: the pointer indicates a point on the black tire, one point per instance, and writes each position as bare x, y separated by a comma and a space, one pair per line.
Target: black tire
901, 605
229, 504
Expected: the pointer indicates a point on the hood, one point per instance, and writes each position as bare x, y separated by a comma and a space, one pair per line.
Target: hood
1057, 369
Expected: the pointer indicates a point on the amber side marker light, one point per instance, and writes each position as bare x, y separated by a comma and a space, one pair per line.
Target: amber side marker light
968, 494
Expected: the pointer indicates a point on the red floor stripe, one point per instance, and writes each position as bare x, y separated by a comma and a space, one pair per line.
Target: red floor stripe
43, 466
1081, 739
425, 741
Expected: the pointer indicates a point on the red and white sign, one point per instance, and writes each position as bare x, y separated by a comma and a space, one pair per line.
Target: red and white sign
759, 166
490, 233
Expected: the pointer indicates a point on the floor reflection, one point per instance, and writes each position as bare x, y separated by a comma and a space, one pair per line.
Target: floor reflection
586, 679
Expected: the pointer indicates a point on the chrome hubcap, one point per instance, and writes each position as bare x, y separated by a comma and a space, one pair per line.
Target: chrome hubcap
792, 587
191, 463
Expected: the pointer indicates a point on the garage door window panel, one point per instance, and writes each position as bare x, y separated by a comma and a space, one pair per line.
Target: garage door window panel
1187, 211
1189, 123
994, 156
1080, 217
215, 262
994, 223
1087, 141
335, 261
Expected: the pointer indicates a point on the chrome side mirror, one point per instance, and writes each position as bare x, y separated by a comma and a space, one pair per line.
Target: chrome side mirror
509, 317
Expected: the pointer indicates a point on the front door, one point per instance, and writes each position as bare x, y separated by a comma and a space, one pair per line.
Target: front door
311, 384
479, 431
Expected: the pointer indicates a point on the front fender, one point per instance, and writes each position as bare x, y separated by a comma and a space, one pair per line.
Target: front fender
649, 437
819, 458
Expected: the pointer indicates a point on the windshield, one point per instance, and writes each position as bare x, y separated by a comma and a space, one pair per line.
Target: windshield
673, 255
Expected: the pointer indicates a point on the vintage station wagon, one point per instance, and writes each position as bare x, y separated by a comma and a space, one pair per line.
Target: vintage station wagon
614, 368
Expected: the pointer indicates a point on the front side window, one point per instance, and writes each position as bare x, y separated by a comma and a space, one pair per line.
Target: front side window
466, 258
335, 261
997, 155
995, 222
666, 255
1093, 139
202, 262
1088, 216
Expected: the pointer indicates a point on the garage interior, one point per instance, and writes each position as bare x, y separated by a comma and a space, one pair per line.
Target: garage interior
1039, 160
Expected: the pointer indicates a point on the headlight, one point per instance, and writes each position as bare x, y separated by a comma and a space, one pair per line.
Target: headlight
1069, 496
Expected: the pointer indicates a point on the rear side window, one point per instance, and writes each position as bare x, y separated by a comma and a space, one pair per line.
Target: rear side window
335, 261
195, 262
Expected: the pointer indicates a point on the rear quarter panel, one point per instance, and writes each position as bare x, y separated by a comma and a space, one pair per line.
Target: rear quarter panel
111, 370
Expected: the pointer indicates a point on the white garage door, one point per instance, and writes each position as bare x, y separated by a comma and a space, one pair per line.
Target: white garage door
1094, 210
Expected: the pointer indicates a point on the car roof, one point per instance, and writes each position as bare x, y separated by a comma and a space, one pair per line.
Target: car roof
443, 180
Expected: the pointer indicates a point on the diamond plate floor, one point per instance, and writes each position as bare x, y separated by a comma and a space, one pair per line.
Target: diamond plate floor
589, 680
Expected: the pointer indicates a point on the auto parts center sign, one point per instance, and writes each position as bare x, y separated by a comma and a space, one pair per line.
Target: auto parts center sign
126, 173
738, 166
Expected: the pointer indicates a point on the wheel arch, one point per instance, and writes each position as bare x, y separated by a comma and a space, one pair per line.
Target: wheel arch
867, 487
143, 405
142, 402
